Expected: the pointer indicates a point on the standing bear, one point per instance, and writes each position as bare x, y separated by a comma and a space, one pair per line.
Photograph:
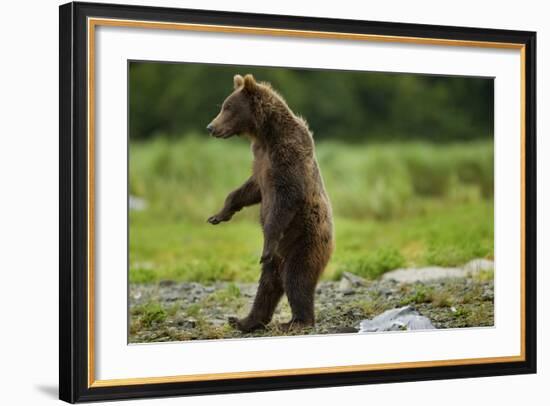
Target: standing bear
295, 213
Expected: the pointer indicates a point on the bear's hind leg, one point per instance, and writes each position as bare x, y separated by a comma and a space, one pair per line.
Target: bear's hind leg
300, 279
270, 291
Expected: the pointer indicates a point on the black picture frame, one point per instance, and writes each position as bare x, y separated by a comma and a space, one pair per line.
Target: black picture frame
73, 255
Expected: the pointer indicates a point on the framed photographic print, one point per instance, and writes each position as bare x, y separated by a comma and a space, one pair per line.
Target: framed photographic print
258, 202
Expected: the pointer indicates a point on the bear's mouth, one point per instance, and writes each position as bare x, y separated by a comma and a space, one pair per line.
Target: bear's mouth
222, 135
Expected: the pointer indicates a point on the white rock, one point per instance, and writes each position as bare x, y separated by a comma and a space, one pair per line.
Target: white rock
480, 264
345, 286
431, 273
404, 318
137, 203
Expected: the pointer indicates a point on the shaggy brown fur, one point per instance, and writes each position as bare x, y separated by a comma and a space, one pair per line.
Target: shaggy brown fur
295, 214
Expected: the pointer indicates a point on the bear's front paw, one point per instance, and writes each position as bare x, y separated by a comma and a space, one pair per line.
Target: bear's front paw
216, 219
269, 259
213, 220
268, 253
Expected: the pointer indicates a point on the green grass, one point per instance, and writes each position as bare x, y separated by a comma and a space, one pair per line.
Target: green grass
190, 251
394, 205
150, 313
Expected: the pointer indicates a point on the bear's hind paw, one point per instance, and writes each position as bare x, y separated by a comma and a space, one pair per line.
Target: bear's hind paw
244, 325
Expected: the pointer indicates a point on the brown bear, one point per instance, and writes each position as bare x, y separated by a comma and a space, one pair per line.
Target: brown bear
295, 214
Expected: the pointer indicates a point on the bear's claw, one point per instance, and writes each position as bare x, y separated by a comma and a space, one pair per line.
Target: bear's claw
214, 220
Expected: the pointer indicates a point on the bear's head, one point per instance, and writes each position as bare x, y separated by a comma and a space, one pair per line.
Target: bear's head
237, 114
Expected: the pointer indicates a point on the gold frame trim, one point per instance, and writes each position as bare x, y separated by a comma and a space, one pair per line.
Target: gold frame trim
94, 22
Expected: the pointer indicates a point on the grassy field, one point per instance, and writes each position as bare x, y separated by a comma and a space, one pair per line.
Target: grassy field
394, 205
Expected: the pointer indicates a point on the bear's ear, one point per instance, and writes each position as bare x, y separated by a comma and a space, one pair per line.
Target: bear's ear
238, 81
250, 83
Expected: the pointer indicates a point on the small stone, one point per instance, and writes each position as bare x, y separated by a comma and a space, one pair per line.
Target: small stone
166, 282
342, 330
354, 279
346, 286
385, 291
487, 295
137, 203
171, 296
189, 322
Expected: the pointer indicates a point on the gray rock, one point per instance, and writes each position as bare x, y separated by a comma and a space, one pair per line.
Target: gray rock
383, 290
428, 274
480, 264
487, 294
172, 330
166, 282
190, 323
404, 318
434, 273
353, 279
137, 203
171, 296
341, 330
345, 286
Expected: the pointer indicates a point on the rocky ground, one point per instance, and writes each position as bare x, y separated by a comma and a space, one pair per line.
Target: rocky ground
449, 297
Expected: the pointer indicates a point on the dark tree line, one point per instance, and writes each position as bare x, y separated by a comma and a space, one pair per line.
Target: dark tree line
177, 99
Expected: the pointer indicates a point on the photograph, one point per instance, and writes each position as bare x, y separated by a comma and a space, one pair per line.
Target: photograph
279, 201
259, 202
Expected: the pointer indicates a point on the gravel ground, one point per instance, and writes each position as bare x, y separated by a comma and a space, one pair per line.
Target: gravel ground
170, 311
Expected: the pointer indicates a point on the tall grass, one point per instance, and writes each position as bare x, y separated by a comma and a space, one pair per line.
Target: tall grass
189, 179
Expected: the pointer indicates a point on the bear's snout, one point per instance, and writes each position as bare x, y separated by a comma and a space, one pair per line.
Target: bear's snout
218, 130
214, 130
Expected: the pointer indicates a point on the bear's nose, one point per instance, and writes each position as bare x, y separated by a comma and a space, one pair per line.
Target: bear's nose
210, 128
